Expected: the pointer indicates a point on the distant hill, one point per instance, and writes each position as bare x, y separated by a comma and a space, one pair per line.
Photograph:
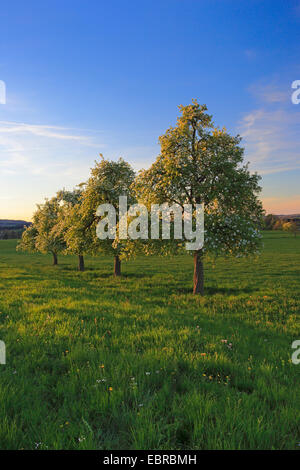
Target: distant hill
12, 228
275, 222
290, 216
6, 224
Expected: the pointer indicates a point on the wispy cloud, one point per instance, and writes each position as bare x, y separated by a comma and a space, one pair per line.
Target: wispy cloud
270, 93
43, 149
38, 160
53, 132
272, 132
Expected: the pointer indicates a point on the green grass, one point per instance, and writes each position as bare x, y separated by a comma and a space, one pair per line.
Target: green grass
175, 384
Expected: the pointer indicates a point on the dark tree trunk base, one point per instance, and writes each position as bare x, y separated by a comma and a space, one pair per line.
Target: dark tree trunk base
80, 263
55, 262
117, 266
198, 273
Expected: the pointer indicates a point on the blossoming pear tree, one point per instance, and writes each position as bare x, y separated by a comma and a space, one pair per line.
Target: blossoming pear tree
70, 226
202, 164
108, 181
41, 236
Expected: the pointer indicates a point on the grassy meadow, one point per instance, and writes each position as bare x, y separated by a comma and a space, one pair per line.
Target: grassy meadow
95, 362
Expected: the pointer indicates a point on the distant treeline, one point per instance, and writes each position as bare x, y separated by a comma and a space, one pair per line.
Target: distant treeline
12, 228
282, 222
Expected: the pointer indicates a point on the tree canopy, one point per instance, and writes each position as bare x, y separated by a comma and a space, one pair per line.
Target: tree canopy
42, 235
200, 163
108, 181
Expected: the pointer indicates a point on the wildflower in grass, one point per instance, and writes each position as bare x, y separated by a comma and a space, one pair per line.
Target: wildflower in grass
102, 366
101, 380
110, 389
203, 354
133, 383
223, 340
81, 438
147, 373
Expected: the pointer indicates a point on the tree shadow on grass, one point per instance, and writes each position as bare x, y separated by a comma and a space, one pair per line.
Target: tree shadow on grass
284, 272
210, 291
134, 275
230, 290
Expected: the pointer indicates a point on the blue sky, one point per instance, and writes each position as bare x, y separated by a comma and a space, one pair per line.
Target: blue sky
87, 76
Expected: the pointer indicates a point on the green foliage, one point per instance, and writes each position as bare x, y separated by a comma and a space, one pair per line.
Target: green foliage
42, 235
277, 225
28, 240
186, 372
270, 221
290, 227
200, 163
70, 224
108, 181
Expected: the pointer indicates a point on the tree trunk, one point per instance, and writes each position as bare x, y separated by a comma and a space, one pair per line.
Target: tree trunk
198, 273
54, 258
117, 266
80, 263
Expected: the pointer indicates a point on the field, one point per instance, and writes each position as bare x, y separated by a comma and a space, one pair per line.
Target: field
141, 363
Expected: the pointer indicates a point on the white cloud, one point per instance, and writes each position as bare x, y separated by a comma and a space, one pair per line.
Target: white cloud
53, 132
270, 93
271, 133
44, 149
